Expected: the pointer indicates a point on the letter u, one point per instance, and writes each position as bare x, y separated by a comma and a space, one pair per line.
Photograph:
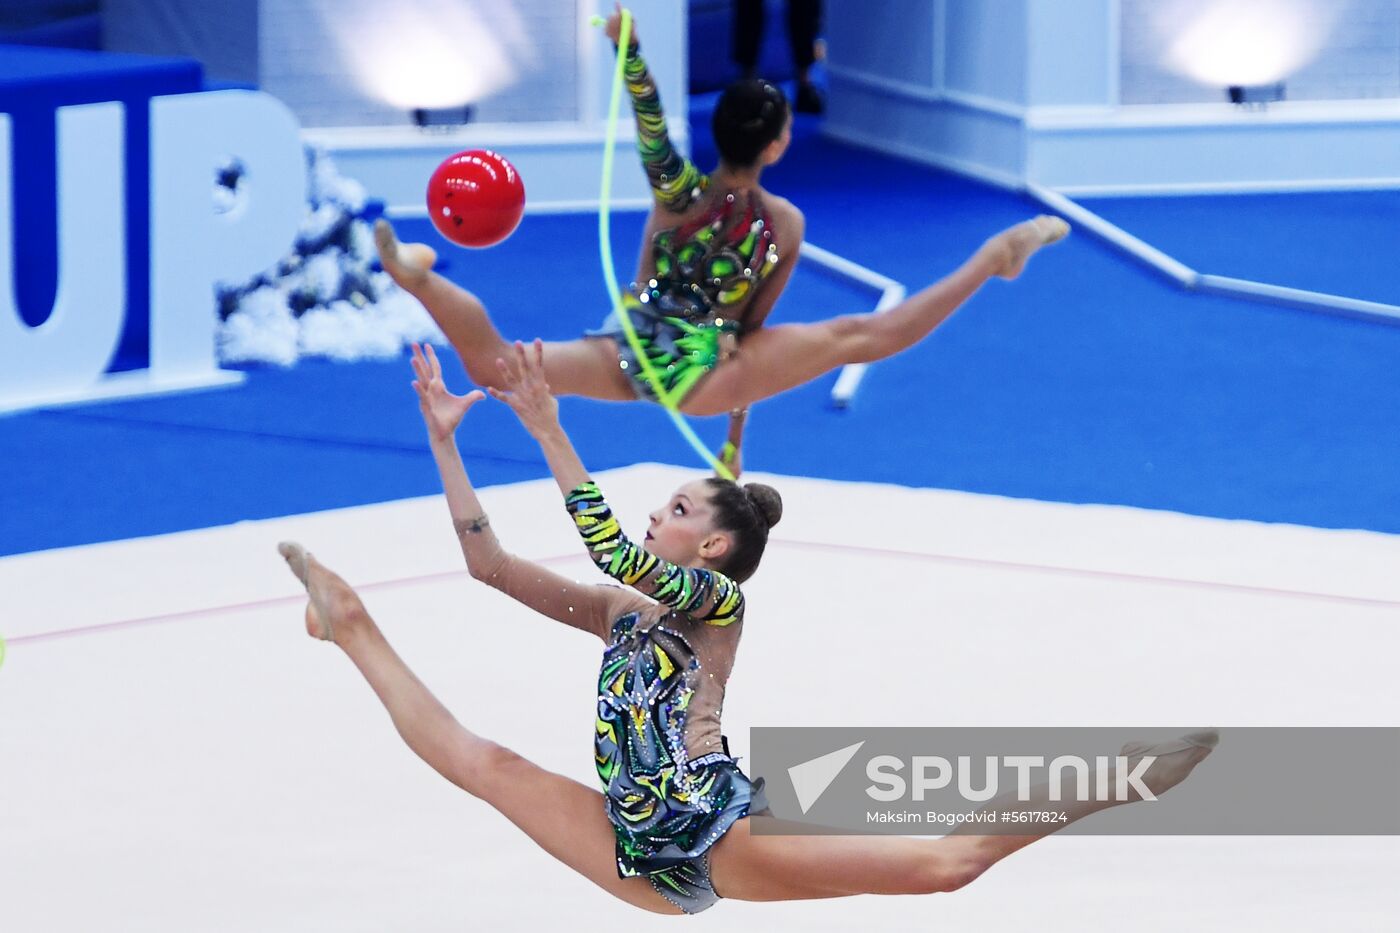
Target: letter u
72, 348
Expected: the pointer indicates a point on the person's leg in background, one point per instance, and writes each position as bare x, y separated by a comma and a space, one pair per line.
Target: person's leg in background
747, 35
804, 22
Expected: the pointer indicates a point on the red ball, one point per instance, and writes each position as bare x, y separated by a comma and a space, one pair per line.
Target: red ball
476, 198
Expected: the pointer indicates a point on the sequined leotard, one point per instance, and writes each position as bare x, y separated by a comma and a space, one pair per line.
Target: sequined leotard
671, 788
706, 269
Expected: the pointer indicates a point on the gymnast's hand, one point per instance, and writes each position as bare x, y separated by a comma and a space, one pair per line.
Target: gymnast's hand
613, 29
528, 395
442, 411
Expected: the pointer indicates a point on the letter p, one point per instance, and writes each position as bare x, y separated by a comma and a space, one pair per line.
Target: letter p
193, 247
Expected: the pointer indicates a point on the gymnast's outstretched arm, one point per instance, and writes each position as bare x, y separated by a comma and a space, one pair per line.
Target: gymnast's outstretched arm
675, 181
705, 595
702, 594
580, 605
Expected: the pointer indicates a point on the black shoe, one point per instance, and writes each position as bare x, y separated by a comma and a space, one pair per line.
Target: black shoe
809, 99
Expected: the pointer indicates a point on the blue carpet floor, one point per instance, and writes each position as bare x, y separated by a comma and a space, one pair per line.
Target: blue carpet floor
1087, 380
1340, 243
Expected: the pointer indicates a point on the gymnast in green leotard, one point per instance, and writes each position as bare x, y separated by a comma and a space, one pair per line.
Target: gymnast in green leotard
718, 250
690, 310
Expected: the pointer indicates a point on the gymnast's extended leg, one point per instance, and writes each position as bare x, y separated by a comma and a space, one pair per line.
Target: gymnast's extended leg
775, 359
574, 367
567, 819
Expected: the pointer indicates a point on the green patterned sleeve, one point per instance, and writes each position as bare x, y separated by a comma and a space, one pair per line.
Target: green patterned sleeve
705, 595
675, 181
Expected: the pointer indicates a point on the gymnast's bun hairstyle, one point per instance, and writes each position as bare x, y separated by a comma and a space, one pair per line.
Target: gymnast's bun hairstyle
767, 501
750, 115
746, 512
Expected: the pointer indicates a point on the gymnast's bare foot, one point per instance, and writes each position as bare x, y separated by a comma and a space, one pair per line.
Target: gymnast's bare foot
1009, 249
1175, 758
334, 610
408, 264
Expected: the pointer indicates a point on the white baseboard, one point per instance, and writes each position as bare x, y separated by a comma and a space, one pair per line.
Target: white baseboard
128, 385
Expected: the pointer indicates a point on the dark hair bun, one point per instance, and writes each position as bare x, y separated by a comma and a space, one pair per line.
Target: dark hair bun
749, 115
766, 500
